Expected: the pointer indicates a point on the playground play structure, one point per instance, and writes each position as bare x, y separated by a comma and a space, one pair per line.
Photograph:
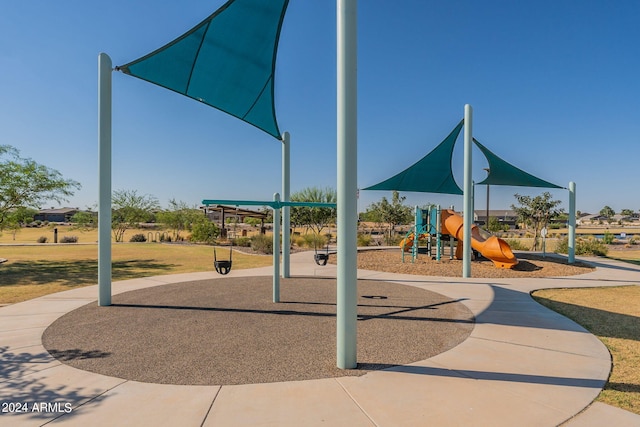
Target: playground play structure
435, 224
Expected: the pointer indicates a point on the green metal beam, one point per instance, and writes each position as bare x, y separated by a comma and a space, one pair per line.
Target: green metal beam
271, 203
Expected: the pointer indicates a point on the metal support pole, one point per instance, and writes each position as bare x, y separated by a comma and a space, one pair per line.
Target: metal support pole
347, 138
276, 250
572, 222
438, 232
417, 226
486, 219
468, 193
104, 179
286, 210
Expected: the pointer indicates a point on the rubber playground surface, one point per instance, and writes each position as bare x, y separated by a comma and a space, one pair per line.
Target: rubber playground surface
228, 331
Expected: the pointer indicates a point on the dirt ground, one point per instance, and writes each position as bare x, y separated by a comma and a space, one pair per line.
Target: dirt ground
529, 265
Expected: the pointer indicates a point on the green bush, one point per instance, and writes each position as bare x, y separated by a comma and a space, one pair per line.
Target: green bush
69, 239
364, 239
608, 238
262, 243
588, 246
42, 239
204, 231
138, 238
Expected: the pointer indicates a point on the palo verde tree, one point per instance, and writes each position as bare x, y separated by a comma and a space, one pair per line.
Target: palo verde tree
18, 218
535, 212
129, 209
26, 183
182, 217
179, 217
392, 213
312, 218
84, 220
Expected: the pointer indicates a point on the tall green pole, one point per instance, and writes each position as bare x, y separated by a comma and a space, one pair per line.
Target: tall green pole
468, 193
286, 210
276, 249
572, 223
104, 179
347, 141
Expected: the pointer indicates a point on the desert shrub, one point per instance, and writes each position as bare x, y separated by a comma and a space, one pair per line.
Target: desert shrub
262, 243
298, 240
393, 240
516, 245
364, 239
69, 239
588, 246
608, 238
313, 240
42, 239
164, 237
633, 241
245, 242
138, 238
563, 246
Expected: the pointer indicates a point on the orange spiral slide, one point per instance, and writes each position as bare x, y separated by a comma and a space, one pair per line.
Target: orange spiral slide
493, 248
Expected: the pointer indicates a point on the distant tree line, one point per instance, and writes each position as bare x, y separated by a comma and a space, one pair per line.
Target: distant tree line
25, 185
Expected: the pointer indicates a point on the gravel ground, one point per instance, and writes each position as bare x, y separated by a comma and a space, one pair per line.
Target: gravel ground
529, 265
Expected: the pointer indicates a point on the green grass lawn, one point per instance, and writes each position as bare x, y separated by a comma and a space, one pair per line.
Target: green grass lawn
37, 270
613, 315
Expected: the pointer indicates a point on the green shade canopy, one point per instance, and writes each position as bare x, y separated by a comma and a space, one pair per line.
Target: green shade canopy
227, 61
503, 173
431, 174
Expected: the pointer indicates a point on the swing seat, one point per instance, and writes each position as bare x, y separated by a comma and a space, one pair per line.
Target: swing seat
321, 259
222, 267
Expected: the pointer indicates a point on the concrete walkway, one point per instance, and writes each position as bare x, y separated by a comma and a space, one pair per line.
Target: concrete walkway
522, 365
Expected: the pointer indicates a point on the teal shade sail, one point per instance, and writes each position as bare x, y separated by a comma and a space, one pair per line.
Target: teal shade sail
227, 61
431, 174
503, 173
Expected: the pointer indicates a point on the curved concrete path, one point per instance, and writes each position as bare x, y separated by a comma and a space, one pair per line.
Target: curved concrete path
522, 365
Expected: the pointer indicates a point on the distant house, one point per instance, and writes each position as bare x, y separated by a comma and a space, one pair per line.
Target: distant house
56, 215
504, 216
593, 219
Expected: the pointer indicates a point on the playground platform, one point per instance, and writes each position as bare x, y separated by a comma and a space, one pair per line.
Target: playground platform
521, 365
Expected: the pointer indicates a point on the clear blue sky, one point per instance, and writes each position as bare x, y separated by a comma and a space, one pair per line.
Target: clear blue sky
553, 83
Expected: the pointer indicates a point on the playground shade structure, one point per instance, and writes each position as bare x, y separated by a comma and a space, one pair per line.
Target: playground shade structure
493, 248
227, 61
